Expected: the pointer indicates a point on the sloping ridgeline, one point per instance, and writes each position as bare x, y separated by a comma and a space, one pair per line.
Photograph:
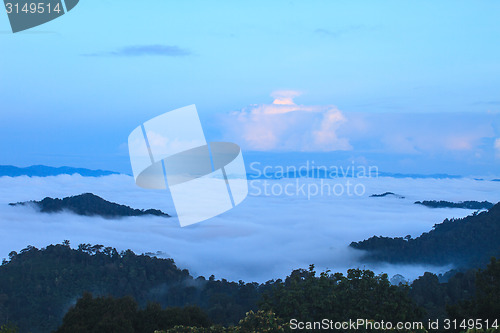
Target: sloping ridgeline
467, 241
89, 204
449, 204
385, 194
45, 171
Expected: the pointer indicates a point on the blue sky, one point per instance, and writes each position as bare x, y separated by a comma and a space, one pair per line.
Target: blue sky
411, 86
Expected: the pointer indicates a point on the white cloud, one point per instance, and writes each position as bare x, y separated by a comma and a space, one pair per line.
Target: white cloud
285, 97
420, 133
286, 126
326, 135
497, 147
262, 238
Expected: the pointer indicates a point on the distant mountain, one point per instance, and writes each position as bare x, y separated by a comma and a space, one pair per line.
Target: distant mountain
461, 204
317, 173
44, 171
468, 242
419, 176
385, 194
348, 172
89, 204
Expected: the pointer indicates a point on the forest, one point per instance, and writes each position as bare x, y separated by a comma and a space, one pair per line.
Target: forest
96, 289
454, 241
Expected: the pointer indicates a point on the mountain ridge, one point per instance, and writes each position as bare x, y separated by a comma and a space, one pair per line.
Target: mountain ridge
89, 204
46, 171
464, 242
468, 204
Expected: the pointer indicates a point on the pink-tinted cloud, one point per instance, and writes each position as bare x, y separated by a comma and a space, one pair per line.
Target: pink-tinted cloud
285, 97
287, 126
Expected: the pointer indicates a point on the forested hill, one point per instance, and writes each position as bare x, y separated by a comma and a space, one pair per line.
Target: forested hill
385, 194
462, 204
89, 204
38, 286
468, 241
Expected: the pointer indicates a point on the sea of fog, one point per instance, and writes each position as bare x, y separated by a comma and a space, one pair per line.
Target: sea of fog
267, 236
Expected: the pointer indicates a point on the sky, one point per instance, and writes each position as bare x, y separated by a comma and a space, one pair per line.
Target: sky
408, 86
